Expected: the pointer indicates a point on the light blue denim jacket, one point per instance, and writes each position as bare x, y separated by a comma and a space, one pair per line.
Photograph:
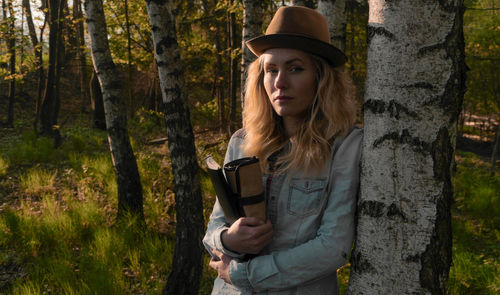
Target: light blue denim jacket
313, 225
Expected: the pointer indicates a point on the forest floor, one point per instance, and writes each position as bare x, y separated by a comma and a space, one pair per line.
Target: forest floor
58, 232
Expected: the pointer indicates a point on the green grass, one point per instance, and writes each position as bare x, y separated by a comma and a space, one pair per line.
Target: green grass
4, 166
476, 235
61, 227
37, 181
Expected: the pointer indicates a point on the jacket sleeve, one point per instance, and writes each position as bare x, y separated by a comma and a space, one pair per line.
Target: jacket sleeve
218, 222
328, 250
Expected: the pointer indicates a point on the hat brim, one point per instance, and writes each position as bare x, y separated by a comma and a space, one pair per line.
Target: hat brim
331, 53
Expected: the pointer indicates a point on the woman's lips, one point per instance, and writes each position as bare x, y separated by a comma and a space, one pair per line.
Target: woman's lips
282, 98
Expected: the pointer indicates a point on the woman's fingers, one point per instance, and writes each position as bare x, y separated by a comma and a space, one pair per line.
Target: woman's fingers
250, 221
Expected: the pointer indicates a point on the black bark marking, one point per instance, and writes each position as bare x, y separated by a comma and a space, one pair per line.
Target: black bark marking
452, 98
394, 211
424, 85
394, 108
371, 31
166, 42
413, 258
426, 49
436, 259
442, 155
361, 264
175, 73
157, 2
372, 208
404, 138
161, 63
375, 106
447, 6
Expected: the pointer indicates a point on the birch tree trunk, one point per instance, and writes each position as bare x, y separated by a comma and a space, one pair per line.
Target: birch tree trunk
187, 261
124, 162
414, 91
12, 63
233, 70
336, 15
252, 27
36, 47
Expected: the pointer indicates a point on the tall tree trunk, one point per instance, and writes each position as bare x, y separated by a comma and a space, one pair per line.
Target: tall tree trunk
41, 76
80, 53
414, 92
129, 60
60, 62
12, 64
496, 143
187, 261
32, 33
98, 117
233, 71
50, 97
68, 34
336, 14
252, 27
306, 3
220, 93
124, 162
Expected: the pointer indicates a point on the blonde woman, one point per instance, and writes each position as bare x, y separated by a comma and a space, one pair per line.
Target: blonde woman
298, 120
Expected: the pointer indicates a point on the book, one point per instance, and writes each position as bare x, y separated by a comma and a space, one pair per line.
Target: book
239, 188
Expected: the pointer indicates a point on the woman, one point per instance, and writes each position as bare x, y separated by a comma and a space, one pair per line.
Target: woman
298, 120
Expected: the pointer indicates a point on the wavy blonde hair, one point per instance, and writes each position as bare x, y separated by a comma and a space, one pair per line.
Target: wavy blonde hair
331, 114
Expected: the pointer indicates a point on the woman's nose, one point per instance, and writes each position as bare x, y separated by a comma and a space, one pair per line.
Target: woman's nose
281, 81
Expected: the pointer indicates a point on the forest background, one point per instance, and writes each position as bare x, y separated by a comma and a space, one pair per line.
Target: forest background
58, 194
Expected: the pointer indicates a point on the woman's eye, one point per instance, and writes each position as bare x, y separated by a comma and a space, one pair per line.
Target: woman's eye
296, 69
271, 71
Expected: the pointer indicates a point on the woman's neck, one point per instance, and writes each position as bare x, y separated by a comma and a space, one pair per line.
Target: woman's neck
290, 125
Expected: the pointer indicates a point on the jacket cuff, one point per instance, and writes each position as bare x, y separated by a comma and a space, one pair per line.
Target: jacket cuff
238, 275
219, 245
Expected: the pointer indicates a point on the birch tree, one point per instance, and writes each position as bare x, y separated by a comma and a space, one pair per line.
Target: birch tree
187, 261
335, 13
124, 162
12, 63
38, 49
414, 90
252, 27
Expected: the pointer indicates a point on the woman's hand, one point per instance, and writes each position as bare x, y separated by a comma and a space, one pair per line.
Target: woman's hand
221, 265
248, 235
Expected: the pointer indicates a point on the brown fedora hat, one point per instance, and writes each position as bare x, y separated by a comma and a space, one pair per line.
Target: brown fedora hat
300, 28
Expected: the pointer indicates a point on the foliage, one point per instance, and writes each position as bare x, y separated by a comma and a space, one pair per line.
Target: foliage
482, 49
476, 237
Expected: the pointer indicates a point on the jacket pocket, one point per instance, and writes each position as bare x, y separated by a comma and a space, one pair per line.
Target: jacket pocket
304, 197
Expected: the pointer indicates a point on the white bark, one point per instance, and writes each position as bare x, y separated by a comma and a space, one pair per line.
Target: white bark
187, 261
252, 27
335, 13
414, 90
124, 162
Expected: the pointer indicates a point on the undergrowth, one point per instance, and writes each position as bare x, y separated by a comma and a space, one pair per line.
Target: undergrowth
58, 219
476, 234
59, 207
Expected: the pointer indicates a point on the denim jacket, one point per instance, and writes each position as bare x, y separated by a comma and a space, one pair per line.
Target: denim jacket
313, 222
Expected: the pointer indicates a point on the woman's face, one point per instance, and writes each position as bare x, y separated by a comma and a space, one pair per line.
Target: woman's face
289, 81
